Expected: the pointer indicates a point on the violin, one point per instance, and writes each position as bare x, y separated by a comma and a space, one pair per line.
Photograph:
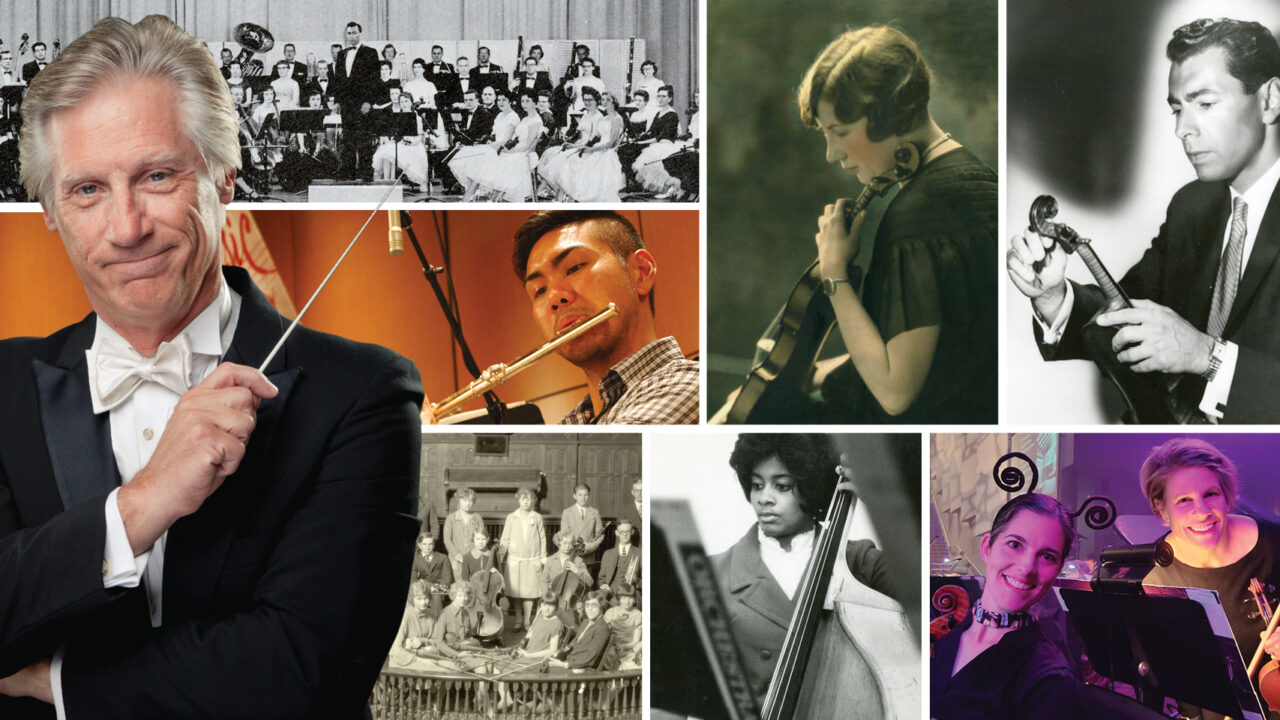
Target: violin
1145, 394
953, 602
855, 659
778, 387
1268, 678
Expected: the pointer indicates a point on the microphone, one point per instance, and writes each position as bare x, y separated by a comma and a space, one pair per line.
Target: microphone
395, 237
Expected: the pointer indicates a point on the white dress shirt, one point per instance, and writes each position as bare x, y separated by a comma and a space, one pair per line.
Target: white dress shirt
136, 427
1216, 392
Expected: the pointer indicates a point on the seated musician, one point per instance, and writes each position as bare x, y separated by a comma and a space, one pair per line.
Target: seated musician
479, 559
543, 638
648, 167
661, 129
620, 564
1222, 349
573, 263
1193, 487
288, 93
921, 329
1000, 663
568, 559
586, 650
323, 81
455, 629
683, 165
417, 626
587, 78
624, 623
420, 87
550, 133
641, 118
530, 79
407, 154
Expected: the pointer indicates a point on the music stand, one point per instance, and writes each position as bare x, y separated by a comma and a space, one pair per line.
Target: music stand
395, 125
1163, 641
303, 120
11, 96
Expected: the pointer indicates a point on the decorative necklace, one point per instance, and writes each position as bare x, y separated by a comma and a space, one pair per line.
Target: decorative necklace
934, 145
1013, 620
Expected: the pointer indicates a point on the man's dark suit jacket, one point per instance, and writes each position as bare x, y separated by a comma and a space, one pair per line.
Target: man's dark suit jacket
282, 592
613, 570
441, 75
299, 75
495, 78
630, 513
541, 81
364, 83
1179, 271
481, 126
29, 71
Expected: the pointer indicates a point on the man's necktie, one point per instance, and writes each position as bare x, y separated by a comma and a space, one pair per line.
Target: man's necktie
116, 370
1224, 290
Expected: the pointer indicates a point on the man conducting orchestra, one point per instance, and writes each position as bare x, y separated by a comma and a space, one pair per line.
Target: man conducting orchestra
182, 535
1204, 293
573, 264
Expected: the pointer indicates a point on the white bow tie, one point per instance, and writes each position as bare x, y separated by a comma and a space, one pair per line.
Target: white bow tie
116, 370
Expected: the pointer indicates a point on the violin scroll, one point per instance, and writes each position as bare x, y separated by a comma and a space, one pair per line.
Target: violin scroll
1043, 209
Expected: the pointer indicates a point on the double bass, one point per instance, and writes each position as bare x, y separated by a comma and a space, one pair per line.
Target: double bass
858, 659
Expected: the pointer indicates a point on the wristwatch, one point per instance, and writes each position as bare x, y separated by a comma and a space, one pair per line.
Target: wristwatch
1215, 359
829, 285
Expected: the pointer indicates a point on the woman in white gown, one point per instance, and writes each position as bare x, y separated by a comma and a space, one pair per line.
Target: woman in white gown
649, 83
551, 168
649, 168
594, 173
422, 89
501, 170
409, 152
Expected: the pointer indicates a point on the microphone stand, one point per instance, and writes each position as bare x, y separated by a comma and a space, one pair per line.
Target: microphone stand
497, 409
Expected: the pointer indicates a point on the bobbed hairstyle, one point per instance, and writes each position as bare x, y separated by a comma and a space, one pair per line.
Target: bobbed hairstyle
115, 50
875, 72
1253, 56
1040, 504
1179, 453
809, 458
590, 92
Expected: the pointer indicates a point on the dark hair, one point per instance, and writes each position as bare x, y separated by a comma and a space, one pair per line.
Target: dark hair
437, 47
591, 92
538, 48
482, 47
39, 44
549, 598
611, 227
387, 47
544, 94
471, 91
337, 45
875, 72
419, 61
290, 45
386, 64
582, 486
651, 64
1253, 57
1180, 453
671, 92
809, 458
1040, 504
641, 92
624, 589
356, 25
587, 59
527, 94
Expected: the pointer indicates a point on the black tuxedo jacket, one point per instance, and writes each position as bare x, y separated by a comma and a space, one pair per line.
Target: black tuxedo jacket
364, 83
541, 81
665, 126
1179, 270
282, 592
480, 128
29, 71
441, 75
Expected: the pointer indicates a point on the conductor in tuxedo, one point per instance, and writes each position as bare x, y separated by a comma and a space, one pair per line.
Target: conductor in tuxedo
182, 535
1207, 291
358, 85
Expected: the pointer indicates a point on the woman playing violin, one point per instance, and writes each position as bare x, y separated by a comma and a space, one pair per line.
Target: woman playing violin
1000, 663
921, 330
1193, 488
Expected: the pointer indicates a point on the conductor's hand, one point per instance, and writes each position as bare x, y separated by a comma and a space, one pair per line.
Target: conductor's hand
203, 442
1153, 338
1038, 266
836, 244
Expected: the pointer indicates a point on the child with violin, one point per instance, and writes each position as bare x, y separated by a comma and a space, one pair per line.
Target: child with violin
1000, 663
1193, 487
624, 622
543, 638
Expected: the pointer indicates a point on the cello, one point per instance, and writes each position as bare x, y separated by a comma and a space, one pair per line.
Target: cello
858, 659
777, 388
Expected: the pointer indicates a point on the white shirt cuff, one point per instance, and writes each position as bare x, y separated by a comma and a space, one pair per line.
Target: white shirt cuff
55, 681
119, 566
1051, 332
1216, 392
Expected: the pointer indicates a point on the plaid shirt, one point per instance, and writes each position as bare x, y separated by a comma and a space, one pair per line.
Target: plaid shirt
655, 385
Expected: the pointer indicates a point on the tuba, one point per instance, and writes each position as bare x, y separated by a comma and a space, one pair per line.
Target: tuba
253, 39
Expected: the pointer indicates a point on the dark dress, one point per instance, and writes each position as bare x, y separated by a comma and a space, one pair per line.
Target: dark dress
1232, 584
933, 264
1024, 675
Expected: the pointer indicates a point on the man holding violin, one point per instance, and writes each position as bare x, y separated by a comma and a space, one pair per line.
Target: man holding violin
1204, 293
